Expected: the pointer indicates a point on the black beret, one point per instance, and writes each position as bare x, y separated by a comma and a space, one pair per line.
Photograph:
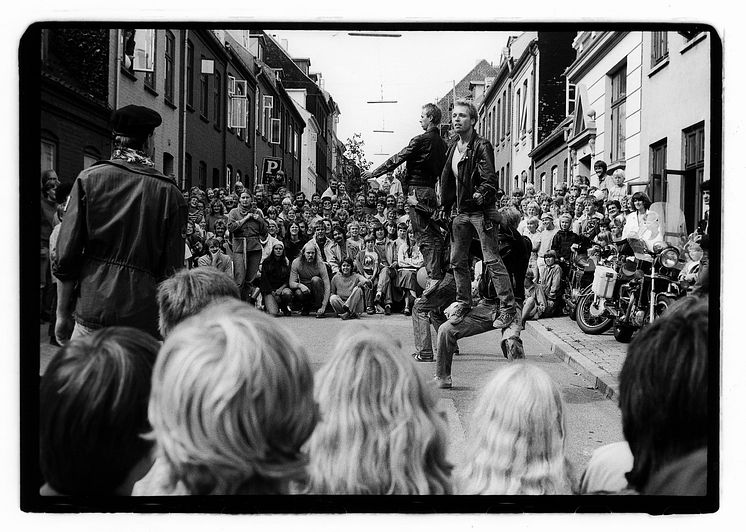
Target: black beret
134, 120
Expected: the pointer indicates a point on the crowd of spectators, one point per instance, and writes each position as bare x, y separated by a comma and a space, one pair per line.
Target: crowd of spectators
228, 403
274, 242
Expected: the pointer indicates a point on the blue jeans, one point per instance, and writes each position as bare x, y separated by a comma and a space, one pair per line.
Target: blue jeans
429, 310
478, 320
485, 225
426, 233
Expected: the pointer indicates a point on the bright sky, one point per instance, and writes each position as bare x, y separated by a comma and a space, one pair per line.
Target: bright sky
414, 69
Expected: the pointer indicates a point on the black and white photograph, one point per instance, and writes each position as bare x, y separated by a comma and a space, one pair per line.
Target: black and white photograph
285, 263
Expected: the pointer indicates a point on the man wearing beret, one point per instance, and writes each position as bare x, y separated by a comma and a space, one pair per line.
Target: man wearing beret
122, 233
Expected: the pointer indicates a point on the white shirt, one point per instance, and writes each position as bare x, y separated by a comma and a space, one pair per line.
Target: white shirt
394, 187
457, 156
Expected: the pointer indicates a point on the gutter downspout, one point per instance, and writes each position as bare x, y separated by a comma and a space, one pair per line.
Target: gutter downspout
117, 68
182, 154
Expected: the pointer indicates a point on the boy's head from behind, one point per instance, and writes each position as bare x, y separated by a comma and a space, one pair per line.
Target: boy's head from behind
94, 410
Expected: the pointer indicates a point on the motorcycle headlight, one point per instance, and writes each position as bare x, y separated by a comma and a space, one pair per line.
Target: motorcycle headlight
657, 247
669, 257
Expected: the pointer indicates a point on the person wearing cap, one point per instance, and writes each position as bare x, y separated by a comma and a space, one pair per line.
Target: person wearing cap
123, 232
547, 235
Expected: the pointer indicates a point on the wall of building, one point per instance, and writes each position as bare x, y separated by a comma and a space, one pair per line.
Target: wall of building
523, 140
687, 76
133, 91
205, 141
74, 92
598, 86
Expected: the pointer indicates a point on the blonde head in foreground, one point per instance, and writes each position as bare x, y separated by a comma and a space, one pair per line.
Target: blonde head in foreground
380, 432
232, 402
517, 445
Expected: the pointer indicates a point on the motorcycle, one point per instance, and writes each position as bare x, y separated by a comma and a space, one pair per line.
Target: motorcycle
641, 286
577, 274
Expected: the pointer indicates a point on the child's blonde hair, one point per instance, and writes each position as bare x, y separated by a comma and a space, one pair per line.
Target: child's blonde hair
517, 446
232, 402
380, 431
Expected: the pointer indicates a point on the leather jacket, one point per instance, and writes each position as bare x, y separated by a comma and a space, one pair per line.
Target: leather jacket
122, 233
476, 173
425, 156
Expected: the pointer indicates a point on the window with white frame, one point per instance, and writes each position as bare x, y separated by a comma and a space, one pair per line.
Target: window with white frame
518, 106
498, 122
553, 179
238, 104
204, 95
658, 155
618, 113
524, 107
148, 51
509, 110
658, 47
275, 130
48, 154
267, 105
168, 71
694, 151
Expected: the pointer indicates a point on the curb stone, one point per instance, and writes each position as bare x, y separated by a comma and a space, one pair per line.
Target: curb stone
603, 381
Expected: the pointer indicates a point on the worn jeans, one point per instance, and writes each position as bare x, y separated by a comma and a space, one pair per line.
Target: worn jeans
426, 233
354, 302
384, 284
478, 320
315, 298
462, 231
273, 304
245, 272
429, 310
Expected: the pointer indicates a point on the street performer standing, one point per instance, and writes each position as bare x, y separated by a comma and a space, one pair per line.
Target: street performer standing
425, 156
122, 233
468, 185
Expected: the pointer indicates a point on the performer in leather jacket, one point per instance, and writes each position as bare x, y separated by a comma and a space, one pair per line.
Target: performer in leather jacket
468, 186
122, 233
425, 156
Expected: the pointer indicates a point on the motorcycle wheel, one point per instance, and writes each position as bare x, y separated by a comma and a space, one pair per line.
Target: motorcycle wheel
623, 333
587, 323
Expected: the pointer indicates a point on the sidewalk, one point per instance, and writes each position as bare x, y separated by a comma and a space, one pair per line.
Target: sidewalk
598, 358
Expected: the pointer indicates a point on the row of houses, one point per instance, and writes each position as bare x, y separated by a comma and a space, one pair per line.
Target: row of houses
557, 102
235, 105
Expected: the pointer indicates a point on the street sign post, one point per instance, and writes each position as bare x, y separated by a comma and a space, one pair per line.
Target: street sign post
270, 167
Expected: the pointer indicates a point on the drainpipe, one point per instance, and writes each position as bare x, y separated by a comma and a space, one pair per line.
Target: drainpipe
117, 69
184, 109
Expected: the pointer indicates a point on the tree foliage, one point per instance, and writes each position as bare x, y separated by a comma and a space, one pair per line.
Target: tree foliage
355, 158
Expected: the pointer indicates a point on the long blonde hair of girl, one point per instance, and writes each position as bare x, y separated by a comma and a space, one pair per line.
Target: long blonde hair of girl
517, 446
380, 432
